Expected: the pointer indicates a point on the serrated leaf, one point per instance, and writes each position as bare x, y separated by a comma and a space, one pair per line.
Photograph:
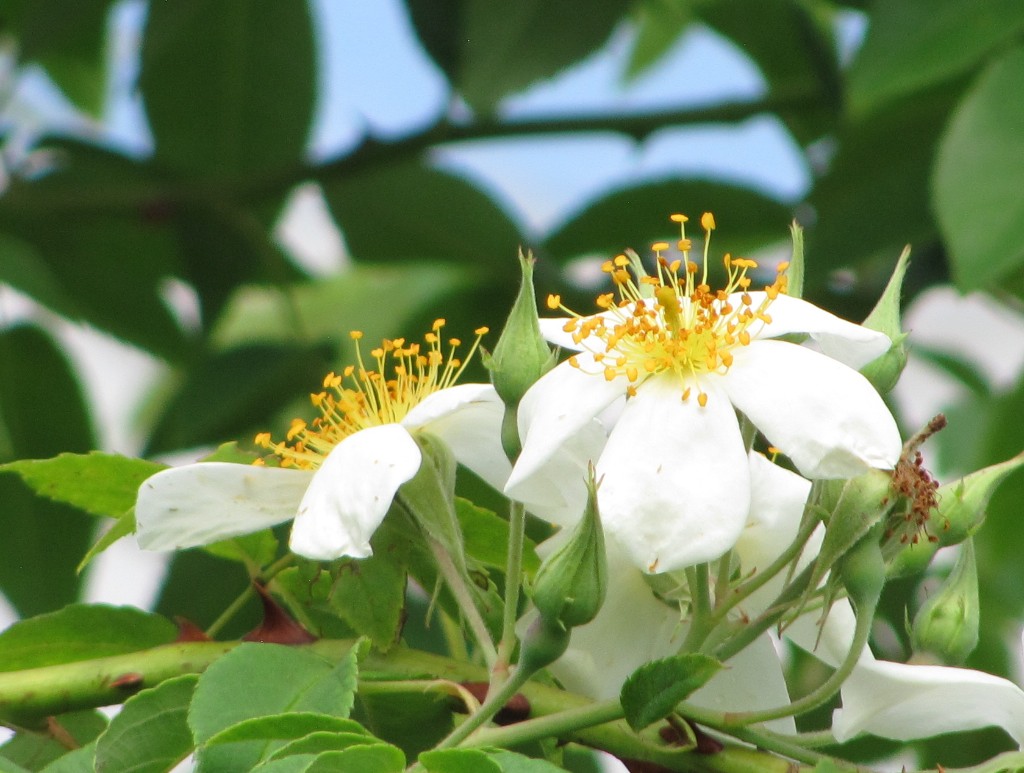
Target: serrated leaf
458, 761
975, 187
378, 758
150, 734
97, 483
917, 44
285, 727
256, 680
654, 690
369, 595
412, 721
228, 87
81, 632
295, 764
410, 211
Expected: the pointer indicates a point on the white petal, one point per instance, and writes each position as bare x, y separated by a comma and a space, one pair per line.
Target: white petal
469, 422
445, 402
905, 702
556, 408
632, 628
825, 416
851, 344
777, 498
752, 680
557, 492
202, 503
351, 492
676, 484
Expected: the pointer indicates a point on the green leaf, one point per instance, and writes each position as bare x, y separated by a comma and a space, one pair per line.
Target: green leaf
377, 758
69, 42
122, 527
298, 763
150, 734
318, 742
636, 216
376, 299
229, 87
42, 412
797, 57
486, 536
35, 750
236, 392
659, 25
98, 222
78, 760
6, 766
257, 680
654, 690
22, 266
369, 595
81, 632
977, 174
410, 211
256, 549
100, 484
412, 721
489, 50
516, 763
287, 727
458, 761
917, 44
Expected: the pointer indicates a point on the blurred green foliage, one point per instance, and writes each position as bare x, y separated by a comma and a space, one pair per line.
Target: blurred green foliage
920, 139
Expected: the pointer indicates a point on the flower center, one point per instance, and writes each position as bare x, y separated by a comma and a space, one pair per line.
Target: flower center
672, 321
360, 397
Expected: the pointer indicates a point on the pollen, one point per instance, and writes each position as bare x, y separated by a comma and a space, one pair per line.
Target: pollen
378, 390
673, 321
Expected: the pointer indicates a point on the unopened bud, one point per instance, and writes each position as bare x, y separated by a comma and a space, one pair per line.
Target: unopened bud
946, 627
962, 505
571, 583
913, 558
862, 571
542, 645
521, 355
884, 371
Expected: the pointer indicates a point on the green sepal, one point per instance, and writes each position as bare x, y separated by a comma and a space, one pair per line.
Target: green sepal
946, 626
884, 371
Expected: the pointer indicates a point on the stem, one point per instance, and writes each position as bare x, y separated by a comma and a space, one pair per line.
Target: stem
513, 578
551, 726
496, 700
264, 576
465, 599
722, 580
701, 624
823, 692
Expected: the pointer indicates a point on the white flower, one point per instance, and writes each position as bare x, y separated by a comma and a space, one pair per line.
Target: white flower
339, 474
676, 486
893, 700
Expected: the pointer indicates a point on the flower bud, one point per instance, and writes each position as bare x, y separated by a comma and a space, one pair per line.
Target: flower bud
912, 559
961, 505
862, 571
571, 583
521, 355
946, 627
884, 371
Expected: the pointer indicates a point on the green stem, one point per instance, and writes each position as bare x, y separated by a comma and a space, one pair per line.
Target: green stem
701, 620
513, 579
552, 726
465, 600
822, 693
263, 576
722, 580
496, 700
